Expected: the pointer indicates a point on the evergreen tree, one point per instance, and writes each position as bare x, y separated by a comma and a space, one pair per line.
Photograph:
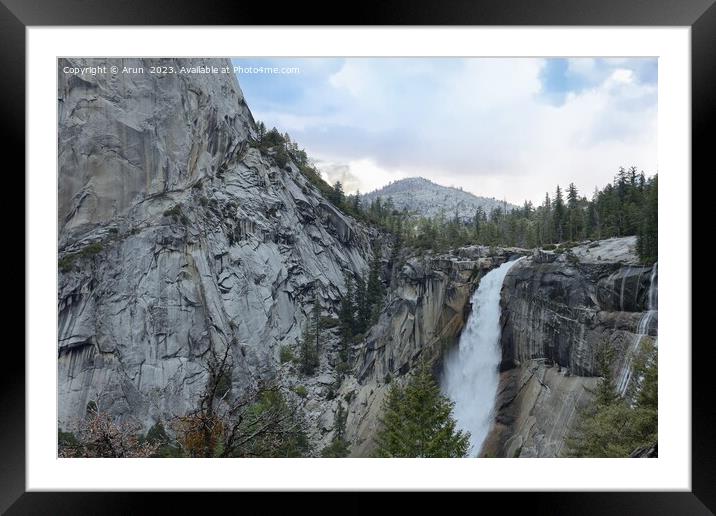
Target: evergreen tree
310, 341
648, 238
339, 445
417, 421
374, 291
574, 217
615, 426
360, 306
346, 316
558, 215
357, 205
337, 196
260, 130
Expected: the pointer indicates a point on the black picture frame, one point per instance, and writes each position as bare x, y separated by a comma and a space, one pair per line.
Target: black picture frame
700, 15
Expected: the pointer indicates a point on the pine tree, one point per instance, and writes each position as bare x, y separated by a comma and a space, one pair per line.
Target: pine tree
417, 421
337, 196
547, 228
346, 316
310, 340
615, 426
339, 445
374, 290
648, 238
558, 215
260, 130
361, 308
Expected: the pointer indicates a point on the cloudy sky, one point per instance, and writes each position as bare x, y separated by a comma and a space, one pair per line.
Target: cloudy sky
505, 128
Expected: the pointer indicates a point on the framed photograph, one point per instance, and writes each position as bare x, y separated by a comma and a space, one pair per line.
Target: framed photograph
420, 254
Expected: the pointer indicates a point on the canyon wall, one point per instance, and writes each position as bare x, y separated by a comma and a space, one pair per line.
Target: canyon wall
179, 238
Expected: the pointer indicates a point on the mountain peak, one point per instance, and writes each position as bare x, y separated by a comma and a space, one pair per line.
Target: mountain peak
429, 199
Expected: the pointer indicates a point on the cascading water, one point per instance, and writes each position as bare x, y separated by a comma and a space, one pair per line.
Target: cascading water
471, 373
642, 330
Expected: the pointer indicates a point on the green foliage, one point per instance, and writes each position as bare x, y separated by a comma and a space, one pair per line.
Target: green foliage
91, 408
311, 340
648, 240
328, 322
223, 384
174, 211
339, 446
166, 446
65, 263
285, 354
628, 206
286, 436
301, 391
625, 207
336, 195
417, 421
374, 291
91, 250
346, 318
614, 426
66, 439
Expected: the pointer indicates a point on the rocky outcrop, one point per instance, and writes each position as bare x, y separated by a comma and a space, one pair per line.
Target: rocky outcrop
424, 313
177, 237
557, 310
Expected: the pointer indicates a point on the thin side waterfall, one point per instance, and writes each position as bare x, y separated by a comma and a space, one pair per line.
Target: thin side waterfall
471, 375
642, 329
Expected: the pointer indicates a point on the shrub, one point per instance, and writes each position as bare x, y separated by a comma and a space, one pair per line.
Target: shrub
223, 384
91, 250
65, 263
285, 354
330, 322
174, 211
281, 157
65, 439
300, 390
166, 447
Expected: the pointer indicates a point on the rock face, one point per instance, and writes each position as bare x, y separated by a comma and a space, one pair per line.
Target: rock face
423, 315
177, 236
556, 313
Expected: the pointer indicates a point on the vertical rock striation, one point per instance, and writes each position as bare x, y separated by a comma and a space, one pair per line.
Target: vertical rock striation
557, 311
177, 236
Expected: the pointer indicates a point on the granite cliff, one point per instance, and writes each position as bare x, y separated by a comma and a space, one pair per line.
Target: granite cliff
179, 238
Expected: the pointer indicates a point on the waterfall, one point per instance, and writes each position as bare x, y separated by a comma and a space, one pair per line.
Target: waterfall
642, 330
471, 375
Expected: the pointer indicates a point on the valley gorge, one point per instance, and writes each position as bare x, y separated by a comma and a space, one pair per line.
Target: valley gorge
182, 239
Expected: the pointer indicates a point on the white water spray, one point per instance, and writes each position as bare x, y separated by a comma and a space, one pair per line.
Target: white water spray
471, 373
642, 330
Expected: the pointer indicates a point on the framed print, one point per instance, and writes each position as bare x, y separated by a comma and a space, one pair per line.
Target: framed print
393, 256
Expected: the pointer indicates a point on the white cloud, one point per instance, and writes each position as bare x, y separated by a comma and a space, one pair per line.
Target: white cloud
477, 123
362, 175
